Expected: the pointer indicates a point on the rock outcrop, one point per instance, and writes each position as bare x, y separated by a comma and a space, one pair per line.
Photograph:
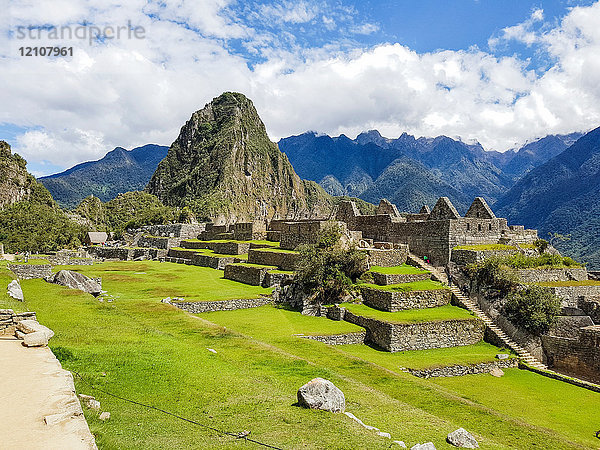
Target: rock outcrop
224, 165
319, 393
14, 290
75, 280
462, 438
33, 333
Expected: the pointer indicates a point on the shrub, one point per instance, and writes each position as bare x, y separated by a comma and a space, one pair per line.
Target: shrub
534, 308
329, 269
494, 273
541, 245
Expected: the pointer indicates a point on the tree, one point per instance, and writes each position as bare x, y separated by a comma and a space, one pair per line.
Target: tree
329, 268
534, 308
557, 237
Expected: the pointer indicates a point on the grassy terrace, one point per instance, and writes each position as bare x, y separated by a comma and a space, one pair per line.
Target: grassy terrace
258, 266
209, 252
485, 247
171, 280
446, 312
422, 285
31, 261
427, 359
259, 242
569, 283
404, 269
275, 250
7, 302
139, 348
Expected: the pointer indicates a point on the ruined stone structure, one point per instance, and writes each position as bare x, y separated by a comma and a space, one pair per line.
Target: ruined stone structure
578, 355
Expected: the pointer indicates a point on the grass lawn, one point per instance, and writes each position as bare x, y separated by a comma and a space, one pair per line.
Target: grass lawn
439, 313
151, 352
258, 266
426, 359
209, 252
522, 394
485, 247
421, 285
569, 283
194, 283
7, 302
404, 269
30, 261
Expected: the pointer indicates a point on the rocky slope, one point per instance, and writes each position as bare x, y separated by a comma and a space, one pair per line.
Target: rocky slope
562, 195
119, 171
224, 166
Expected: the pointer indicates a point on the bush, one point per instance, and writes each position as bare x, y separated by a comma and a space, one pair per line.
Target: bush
535, 309
541, 245
329, 269
494, 273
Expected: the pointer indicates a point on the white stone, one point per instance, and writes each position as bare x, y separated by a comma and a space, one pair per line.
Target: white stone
37, 339
321, 394
496, 372
14, 290
212, 350
33, 326
400, 443
502, 356
384, 434
425, 446
462, 438
104, 416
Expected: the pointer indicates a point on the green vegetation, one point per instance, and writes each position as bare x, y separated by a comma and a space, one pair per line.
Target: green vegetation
258, 266
276, 250
545, 261
328, 269
404, 269
485, 247
7, 302
256, 241
534, 308
139, 348
439, 313
421, 285
427, 359
31, 261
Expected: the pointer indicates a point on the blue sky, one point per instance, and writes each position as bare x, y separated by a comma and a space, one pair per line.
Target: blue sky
502, 72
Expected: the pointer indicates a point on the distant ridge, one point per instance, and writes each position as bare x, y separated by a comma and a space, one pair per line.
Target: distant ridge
117, 172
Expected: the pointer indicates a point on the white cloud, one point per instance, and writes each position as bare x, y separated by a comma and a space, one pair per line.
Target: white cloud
288, 11
132, 92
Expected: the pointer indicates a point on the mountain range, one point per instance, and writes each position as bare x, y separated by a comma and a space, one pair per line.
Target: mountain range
117, 172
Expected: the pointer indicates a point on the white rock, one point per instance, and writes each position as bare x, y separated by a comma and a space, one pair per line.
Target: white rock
321, 394
502, 356
212, 350
37, 339
14, 290
425, 446
104, 416
462, 438
496, 372
400, 443
384, 434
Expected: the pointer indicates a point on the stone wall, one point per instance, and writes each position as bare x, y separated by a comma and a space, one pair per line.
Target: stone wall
591, 307
164, 243
176, 230
242, 273
31, 271
223, 305
385, 279
282, 260
387, 257
571, 295
419, 336
460, 370
546, 275
126, 253
247, 231
579, 356
397, 301
9, 320
340, 339
568, 326
230, 248
464, 257
272, 279
64, 261
214, 262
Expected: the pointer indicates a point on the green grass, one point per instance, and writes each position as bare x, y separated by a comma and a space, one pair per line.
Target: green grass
139, 348
171, 280
285, 272
427, 359
275, 250
31, 261
209, 252
521, 393
569, 283
7, 302
404, 269
258, 266
256, 241
485, 247
421, 285
439, 313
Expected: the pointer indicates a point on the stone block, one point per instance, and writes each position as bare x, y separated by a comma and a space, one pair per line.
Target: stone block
397, 301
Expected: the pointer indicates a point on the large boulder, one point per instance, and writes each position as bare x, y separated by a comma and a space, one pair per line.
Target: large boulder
15, 291
76, 280
319, 393
33, 333
462, 438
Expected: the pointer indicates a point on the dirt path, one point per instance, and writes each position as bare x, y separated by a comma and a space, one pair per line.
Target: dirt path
33, 386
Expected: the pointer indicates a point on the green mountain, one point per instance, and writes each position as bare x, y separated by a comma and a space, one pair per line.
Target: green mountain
562, 196
119, 171
30, 220
224, 166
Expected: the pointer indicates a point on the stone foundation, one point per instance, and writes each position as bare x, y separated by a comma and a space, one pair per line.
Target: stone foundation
31, 271
273, 279
546, 275
254, 276
340, 339
384, 279
163, 243
397, 301
126, 253
387, 257
214, 262
572, 295
419, 336
282, 260
9, 320
460, 370
464, 257
223, 305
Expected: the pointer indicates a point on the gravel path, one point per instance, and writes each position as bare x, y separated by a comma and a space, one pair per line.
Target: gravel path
33, 386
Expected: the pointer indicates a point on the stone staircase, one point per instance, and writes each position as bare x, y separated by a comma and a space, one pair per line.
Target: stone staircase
474, 308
